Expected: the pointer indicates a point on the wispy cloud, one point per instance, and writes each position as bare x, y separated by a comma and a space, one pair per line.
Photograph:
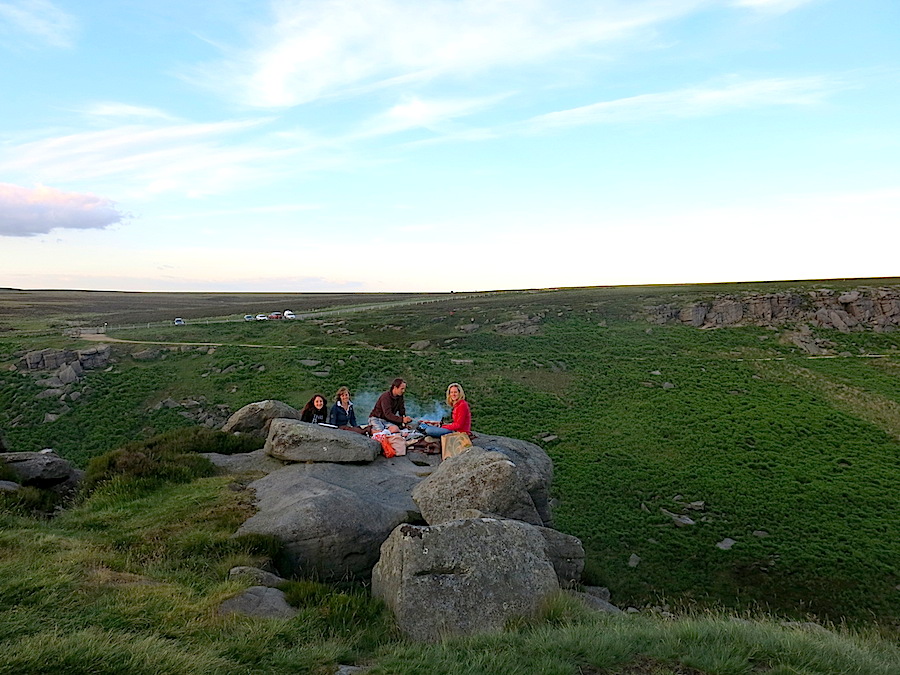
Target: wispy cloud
772, 6
25, 20
190, 158
25, 212
111, 109
313, 49
415, 112
689, 102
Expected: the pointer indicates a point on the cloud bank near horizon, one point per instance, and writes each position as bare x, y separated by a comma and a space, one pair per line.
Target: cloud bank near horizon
26, 212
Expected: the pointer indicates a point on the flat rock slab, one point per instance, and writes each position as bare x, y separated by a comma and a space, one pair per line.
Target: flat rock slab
245, 462
333, 518
260, 601
291, 440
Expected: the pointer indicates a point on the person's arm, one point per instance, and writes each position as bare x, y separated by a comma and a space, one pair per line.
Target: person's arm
352, 420
462, 418
332, 415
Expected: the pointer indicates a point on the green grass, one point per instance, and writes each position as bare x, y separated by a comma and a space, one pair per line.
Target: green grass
803, 449
129, 581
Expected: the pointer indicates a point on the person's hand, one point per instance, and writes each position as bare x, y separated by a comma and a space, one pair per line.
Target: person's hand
407, 419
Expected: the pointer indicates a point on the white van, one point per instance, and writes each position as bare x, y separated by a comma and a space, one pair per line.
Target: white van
288, 314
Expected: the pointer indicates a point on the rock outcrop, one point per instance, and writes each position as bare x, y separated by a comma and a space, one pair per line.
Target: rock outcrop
463, 577
44, 470
295, 441
454, 548
875, 309
485, 480
55, 359
333, 518
254, 418
533, 465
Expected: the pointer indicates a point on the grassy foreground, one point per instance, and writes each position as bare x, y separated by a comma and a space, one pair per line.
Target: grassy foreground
130, 579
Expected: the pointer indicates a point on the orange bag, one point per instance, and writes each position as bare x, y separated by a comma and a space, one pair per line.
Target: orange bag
387, 447
393, 445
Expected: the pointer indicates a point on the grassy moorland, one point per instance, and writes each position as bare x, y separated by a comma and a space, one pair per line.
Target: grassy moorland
795, 459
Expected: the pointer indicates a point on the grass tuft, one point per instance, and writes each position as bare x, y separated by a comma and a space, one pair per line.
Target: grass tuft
172, 456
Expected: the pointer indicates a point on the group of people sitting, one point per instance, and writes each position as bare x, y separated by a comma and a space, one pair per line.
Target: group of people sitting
389, 414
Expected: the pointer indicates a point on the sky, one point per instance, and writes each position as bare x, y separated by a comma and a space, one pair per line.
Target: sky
438, 145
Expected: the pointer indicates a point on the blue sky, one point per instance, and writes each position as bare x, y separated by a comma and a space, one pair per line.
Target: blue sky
435, 145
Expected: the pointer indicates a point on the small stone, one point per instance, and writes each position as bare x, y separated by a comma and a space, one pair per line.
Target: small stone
599, 592
634, 560
726, 544
678, 520
760, 533
256, 576
668, 385
655, 372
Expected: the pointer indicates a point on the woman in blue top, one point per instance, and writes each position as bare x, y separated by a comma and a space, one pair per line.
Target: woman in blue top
342, 414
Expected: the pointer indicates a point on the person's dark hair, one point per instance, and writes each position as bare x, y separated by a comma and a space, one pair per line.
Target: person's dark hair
311, 404
397, 382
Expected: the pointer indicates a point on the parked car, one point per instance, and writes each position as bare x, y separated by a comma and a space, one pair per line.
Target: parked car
261, 317
248, 317
276, 315
179, 321
288, 314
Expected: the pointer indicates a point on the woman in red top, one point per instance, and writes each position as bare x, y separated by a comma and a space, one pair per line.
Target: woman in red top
460, 413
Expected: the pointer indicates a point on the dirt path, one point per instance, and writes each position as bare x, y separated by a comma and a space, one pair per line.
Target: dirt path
102, 337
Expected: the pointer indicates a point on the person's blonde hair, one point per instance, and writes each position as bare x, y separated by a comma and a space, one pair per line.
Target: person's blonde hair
462, 394
341, 390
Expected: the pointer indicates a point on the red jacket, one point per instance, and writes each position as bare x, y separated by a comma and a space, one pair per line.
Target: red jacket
462, 418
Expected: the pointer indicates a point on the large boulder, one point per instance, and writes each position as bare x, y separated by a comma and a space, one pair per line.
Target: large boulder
463, 577
332, 518
294, 441
44, 470
533, 465
479, 479
254, 418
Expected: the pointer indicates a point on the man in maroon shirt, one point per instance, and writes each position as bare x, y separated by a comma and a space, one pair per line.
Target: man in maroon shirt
390, 409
